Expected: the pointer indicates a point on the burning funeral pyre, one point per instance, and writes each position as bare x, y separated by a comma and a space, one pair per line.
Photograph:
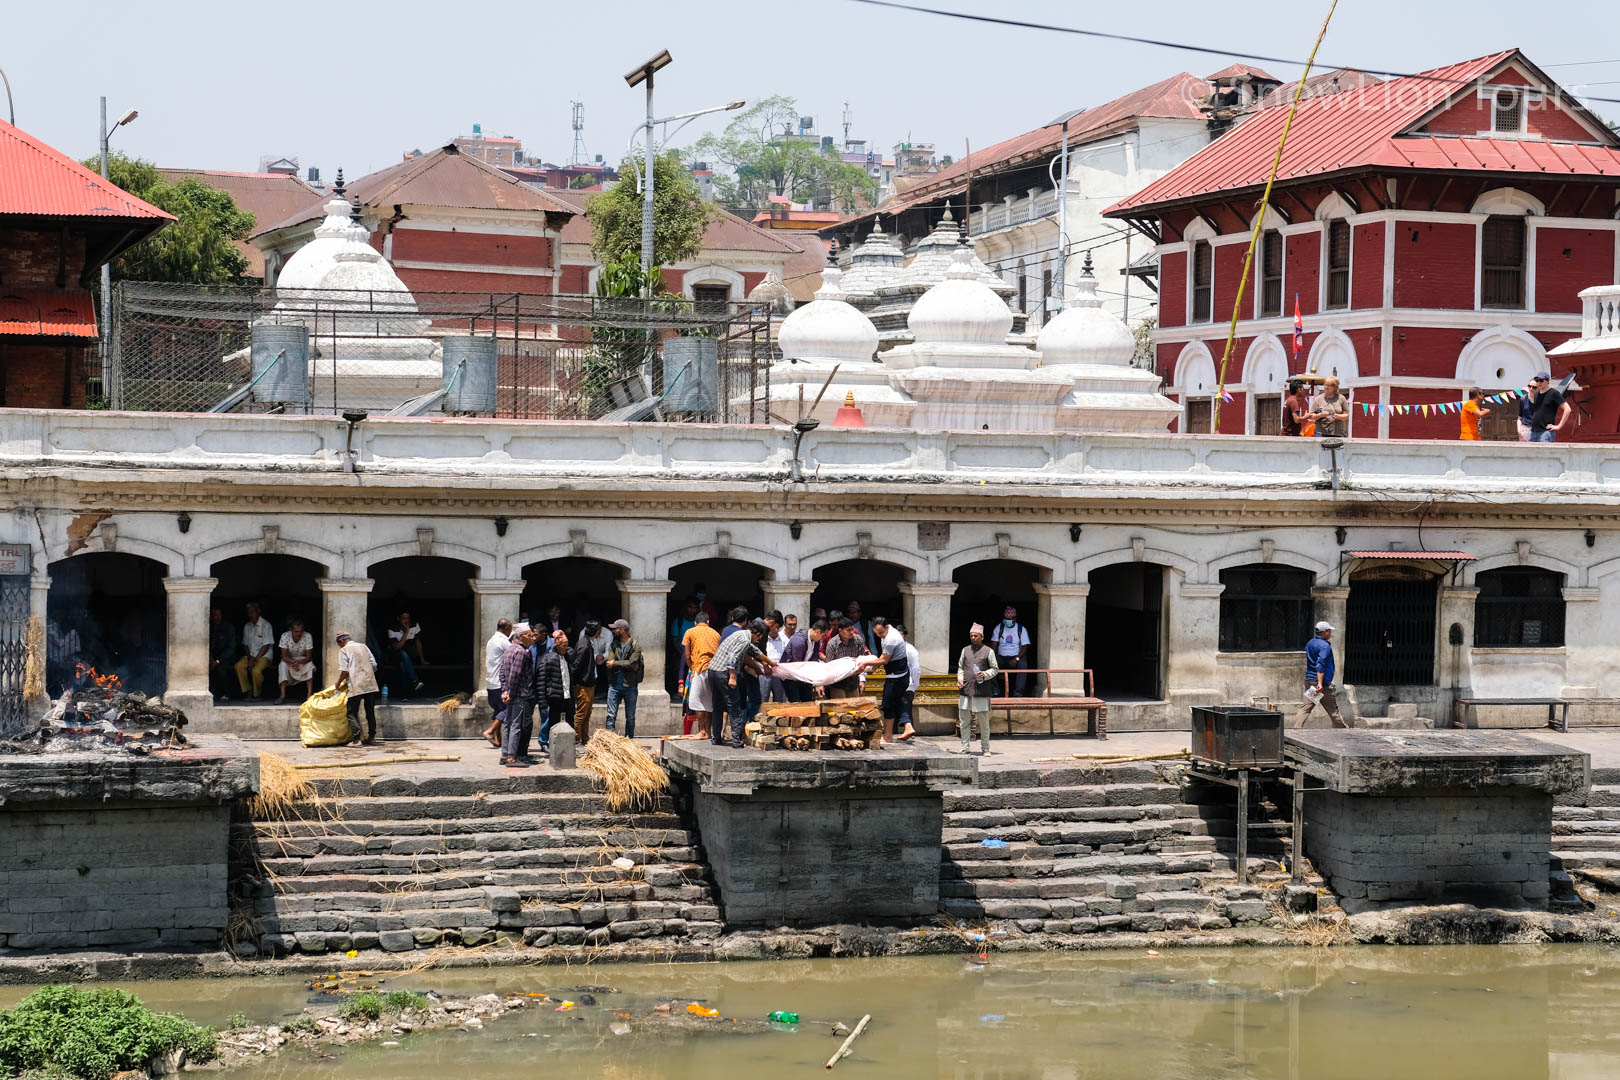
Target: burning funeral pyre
98, 712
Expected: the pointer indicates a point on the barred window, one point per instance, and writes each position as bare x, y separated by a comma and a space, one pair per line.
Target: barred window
1271, 274
1502, 262
711, 299
1203, 280
1265, 608
1338, 276
1519, 607
1505, 111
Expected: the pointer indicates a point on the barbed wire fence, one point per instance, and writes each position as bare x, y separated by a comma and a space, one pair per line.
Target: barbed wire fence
190, 348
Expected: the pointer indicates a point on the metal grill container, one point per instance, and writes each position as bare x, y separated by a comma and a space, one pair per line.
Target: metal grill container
1239, 736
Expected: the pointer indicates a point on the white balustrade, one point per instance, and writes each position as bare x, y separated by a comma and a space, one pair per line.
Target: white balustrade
1600, 311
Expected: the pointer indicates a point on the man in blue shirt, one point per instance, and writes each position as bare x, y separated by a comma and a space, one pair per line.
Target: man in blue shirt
1319, 672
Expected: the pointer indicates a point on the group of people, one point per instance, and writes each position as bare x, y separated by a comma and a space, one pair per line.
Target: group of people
1325, 415
1544, 411
248, 653
538, 670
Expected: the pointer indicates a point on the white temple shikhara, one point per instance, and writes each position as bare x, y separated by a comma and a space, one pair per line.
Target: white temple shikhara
959, 371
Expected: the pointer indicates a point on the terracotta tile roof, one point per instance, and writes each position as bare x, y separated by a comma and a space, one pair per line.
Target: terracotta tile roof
1366, 128
727, 233
39, 181
1179, 96
47, 313
444, 177
269, 197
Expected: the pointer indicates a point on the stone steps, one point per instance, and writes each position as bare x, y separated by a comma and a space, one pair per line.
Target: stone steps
1584, 858
515, 823
1107, 794
406, 807
527, 782
282, 848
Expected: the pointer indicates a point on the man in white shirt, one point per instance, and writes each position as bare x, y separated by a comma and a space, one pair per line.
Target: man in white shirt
771, 687
357, 674
1012, 650
494, 649
258, 638
896, 677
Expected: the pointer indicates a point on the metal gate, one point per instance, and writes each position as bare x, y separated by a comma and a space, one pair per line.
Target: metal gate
1389, 636
13, 650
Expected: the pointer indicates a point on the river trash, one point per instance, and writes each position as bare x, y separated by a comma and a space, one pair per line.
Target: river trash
619, 1028
992, 842
699, 1010
1153, 952
840, 1028
782, 1017
664, 1008
587, 999
623, 863
589, 989
567, 1006
992, 1018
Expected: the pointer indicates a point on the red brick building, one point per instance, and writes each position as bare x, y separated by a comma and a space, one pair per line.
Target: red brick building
59, 222
1436, 230
447, 222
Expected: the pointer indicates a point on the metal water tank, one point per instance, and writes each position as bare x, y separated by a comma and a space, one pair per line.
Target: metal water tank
281, 363
692, 374
469, 374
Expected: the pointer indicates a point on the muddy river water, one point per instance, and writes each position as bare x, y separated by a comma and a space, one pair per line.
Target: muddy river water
1476, 1012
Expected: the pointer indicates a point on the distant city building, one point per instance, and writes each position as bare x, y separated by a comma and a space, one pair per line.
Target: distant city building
497, 150
285, 166
586, 176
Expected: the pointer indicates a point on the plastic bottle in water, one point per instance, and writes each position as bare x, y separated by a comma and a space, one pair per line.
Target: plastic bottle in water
385, 697
780, 1017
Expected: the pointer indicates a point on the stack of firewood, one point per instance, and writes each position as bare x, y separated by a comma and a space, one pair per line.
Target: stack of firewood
830, 724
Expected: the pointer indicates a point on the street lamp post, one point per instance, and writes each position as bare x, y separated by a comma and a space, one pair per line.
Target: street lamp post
644, 73
115, 391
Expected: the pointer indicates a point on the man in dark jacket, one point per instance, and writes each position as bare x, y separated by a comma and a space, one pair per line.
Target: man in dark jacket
625, 666
582, 680
553, 684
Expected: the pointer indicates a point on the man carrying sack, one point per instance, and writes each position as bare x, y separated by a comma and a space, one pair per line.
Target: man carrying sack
357, 674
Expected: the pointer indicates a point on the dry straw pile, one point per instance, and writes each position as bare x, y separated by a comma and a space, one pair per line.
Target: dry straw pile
632, 778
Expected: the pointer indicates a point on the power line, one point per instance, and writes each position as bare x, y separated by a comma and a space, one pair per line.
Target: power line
1207, 50
1582, 63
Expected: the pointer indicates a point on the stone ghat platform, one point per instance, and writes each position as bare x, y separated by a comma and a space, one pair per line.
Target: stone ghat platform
820, 836
1434, 816
103, 847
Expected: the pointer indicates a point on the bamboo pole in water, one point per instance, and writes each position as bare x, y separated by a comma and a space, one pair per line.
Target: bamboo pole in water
843, 1051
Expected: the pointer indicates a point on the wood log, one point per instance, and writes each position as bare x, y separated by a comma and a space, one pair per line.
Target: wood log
843, 1051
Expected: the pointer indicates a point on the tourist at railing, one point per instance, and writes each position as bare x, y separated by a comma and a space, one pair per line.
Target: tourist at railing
976, 675
1551, 414
1296, 409
1330, 410
1472, 414
297, 660
258, 638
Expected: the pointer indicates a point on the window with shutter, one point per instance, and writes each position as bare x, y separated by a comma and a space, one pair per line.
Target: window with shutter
1198, 416
1271, 274
1338, 276
1203, 280
1265, 608
1502, 245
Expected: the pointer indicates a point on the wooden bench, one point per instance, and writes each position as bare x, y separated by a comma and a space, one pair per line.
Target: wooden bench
1095, 708
1557, 708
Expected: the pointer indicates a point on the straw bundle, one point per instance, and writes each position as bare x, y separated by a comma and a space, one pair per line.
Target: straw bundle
34, 668
449, 705
629, 774
280, 786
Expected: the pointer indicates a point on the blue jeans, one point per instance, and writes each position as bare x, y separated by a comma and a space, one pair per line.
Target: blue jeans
626, 694
1544, 435
742, 703
407, 668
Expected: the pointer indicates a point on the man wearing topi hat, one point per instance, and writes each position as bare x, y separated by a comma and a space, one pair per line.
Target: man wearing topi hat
976, 675
1319, 671
357, 673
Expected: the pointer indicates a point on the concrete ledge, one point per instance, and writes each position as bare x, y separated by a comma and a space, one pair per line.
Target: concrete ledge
1375, 762
212, 769
723, 770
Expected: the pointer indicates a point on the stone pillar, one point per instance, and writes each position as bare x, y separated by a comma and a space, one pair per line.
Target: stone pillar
1455, 661
343, 611
1192, 638
788, 597
1332, 602
39, 594
492, 601
188, 641
646, 609
928, 616
1588, 653
1061, 624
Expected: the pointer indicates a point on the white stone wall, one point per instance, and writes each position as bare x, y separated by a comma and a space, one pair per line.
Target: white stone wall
648, 498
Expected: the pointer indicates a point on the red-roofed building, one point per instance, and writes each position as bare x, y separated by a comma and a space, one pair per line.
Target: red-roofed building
59, 222
447, 223
269, 196
1114, 148
1436, 229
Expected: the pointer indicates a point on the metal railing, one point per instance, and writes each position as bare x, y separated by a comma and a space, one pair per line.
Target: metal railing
186, 348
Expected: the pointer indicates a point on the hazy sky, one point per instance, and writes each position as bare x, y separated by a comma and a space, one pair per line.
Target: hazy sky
220, 84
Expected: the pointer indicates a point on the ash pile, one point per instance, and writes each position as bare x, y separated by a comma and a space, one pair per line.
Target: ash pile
98, 713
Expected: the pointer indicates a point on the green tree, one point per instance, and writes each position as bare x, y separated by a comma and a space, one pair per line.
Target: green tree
679, 214
196, 248
766, 158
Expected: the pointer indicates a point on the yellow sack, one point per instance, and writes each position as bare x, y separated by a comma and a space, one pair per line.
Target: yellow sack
323, 720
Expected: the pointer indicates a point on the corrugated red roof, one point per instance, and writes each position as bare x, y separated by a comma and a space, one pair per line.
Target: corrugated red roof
38, 180
1237, 71
445, 177
47, 313
1362, 128
1180, 96
269, 197
1329, 82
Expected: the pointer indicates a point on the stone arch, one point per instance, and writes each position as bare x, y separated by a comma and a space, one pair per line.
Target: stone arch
874, 583
1500, 358
175, 563
1056, 565
773, 564
1265, 371
436, 590
632, 564
713, 274
482, 561
1180, 564
1333, 353
1296, 560
1268, 219
917, 564
1573, 574
109, 610
1508, 201
1198, 229
203, 562
582, 586
1333, 206
1195, 370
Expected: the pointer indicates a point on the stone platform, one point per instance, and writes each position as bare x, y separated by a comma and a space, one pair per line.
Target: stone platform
1433, 816
103, 847
820, 836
